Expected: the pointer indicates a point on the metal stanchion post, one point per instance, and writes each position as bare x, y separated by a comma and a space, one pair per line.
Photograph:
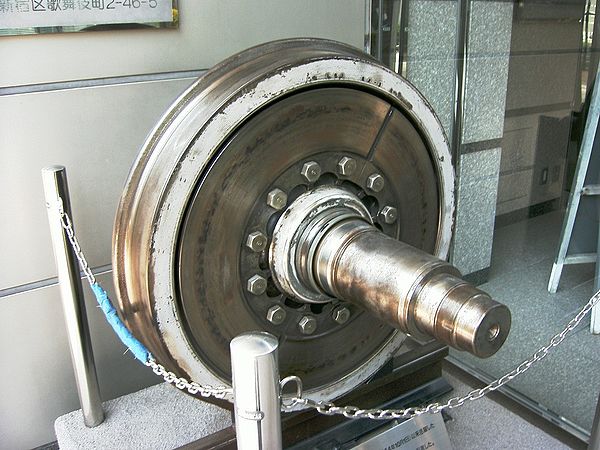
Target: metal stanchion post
55, 188
255, 375
595, 436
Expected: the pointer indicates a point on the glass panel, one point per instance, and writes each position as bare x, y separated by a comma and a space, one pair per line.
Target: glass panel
511, 84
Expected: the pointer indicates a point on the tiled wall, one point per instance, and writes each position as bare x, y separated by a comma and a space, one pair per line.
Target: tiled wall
95, 129
490, 25
434, 40
488, 44
431, 49
475, 211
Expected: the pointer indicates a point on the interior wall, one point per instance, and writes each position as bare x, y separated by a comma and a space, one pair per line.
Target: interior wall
87, 101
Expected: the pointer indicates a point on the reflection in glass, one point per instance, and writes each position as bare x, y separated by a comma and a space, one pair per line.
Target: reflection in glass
510, 83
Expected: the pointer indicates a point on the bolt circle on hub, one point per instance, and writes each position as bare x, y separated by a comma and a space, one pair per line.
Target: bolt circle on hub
294, 183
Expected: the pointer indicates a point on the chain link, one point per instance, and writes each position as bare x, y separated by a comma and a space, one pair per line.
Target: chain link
329, 408
192, 387
68, 227
353, 412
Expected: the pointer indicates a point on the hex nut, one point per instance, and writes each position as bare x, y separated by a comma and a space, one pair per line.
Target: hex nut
346, 166
276, 315
341, 314
388, 214
256, 241
256, 285
375, 182
277, 199
311, 171
307, 325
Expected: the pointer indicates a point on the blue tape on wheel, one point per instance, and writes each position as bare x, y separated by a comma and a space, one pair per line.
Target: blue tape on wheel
137, 348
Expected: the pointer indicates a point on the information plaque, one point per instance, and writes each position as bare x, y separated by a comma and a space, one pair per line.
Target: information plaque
424, 432
52, 16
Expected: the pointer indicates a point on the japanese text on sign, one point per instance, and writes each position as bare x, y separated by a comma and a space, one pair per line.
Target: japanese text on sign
16, 14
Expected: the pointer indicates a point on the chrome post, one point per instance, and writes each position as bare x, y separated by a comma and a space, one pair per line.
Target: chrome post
255, 379
69, 280
368, 32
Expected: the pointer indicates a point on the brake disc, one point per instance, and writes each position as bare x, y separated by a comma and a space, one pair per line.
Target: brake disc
203, 199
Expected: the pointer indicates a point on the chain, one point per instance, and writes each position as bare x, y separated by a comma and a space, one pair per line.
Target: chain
329, 408
192, 387
68, 226
353, 412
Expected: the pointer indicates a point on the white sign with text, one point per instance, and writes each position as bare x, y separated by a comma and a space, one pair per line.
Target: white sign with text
15, 14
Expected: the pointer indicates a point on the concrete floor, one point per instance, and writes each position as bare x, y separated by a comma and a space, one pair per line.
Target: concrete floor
565, 385
495, 422
163, 417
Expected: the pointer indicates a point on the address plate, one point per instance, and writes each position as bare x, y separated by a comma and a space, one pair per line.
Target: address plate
55, 16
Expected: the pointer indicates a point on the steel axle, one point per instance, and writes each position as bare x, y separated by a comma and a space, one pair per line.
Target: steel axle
326, 247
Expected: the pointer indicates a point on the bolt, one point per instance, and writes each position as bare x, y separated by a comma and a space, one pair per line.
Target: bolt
277, 199
256, 241
346, 166
375, 182
257, 285
307, 325
311, 171
276, 315
341, 314
388, 214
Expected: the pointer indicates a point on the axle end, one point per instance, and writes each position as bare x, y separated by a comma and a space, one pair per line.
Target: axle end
465, 317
